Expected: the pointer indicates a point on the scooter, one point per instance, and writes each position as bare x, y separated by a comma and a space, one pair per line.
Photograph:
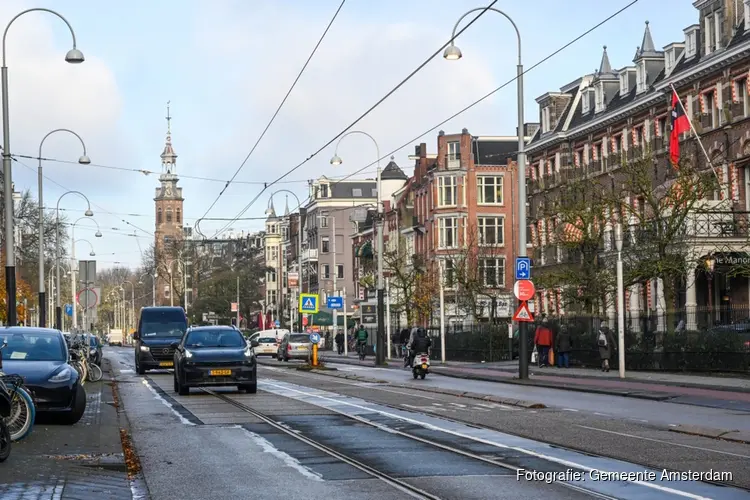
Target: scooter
5, 406
421, 365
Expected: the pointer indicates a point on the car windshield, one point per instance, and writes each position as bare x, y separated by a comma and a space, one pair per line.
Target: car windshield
299, 338
171, 323
215, 338
267, 340
33, 346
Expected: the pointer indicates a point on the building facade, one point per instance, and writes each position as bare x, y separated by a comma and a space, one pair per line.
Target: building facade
598, 124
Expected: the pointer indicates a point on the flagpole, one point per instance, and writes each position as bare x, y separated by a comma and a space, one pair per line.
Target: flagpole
697, 135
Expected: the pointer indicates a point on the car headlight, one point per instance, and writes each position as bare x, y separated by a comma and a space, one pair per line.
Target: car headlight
188, 354
62, 376
249, 353
145, 348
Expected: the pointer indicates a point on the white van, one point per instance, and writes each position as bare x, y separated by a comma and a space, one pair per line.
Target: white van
265, 344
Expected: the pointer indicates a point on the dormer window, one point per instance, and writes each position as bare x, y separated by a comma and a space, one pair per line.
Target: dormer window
691, 41
640, 77
585, 101
324, 190
546, 119
747, 13
599, 96
669, 61
624, 83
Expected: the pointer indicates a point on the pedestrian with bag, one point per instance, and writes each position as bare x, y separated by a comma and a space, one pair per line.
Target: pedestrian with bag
563, 346
543, 342
606, 343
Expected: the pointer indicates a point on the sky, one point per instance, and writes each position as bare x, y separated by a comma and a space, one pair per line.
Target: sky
225, 65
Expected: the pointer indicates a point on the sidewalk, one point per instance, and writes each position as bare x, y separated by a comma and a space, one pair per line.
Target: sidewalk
690, 389
84, 460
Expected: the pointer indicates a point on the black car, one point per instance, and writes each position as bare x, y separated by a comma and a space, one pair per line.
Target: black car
214, 356
158, 329
40, 356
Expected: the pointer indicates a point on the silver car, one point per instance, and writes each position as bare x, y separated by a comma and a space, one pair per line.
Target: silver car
295, 346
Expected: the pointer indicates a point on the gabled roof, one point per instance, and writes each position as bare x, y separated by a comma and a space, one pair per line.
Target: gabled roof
393, 172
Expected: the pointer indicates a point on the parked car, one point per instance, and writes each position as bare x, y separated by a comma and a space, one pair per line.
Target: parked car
267, 346
40, 356
294, 346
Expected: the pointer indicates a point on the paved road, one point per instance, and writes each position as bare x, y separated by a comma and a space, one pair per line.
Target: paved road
198, 446
660, 412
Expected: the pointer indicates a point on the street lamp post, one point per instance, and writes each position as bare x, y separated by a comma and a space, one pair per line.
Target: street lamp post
299, 244
620, 303
452, 53
132, 300
74, 56
710, 266
74, 283
88, 213
98, 234
83, 160
380, 341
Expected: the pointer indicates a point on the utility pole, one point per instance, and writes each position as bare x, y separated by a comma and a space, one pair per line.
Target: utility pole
238, 302
335, 318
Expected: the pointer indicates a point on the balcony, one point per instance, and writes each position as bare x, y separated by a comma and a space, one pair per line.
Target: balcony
715, 224
310, 254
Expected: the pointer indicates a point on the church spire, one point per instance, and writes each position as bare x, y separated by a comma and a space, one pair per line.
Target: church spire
286, 207
605, 67
168, 156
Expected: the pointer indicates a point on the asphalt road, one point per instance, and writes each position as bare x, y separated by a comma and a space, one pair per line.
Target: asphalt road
640, 410
209, 446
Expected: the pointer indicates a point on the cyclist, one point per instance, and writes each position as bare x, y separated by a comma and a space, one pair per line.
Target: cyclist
361, 336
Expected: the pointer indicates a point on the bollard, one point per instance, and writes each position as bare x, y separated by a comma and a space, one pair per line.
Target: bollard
315, 355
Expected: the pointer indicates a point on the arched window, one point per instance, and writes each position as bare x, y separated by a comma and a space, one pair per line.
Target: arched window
169, 215
178, 216
158, 215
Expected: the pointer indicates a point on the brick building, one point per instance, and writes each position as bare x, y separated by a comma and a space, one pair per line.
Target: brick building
595, 123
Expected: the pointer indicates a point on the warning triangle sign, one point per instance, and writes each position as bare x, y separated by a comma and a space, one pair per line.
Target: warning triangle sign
523, 313
308, 303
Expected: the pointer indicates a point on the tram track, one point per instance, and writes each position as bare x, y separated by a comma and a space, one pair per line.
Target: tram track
397, 483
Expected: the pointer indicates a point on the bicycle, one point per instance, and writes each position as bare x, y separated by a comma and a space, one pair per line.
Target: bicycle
22, 407
361, 350
79, 355
5, 409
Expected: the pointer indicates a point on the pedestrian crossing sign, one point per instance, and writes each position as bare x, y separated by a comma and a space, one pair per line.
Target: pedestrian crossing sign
308, 303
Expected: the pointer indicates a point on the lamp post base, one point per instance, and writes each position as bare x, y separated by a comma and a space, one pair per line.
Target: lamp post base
42, 310
58, 318
380, 339
10, 288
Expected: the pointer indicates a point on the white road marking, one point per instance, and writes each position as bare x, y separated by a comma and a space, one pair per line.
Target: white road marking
662, 441
127, 371
569, 409
542, 456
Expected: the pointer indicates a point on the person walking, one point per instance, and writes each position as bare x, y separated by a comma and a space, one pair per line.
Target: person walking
340, 342
606, 343
543, 342
563, 346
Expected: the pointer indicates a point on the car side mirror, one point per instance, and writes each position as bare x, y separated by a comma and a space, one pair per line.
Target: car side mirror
174, 345
254, 343
136, 335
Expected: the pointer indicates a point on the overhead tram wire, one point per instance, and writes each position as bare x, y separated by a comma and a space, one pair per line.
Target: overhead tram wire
490, 94
367, 112
278, 109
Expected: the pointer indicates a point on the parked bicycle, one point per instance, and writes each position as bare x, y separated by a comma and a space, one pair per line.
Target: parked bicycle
80, 360
5, 411
20, 418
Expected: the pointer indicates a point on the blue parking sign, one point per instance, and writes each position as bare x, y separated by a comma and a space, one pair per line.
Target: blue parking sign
523, 268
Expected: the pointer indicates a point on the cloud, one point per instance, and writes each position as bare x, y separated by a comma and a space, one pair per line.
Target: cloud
360, 60
46, 93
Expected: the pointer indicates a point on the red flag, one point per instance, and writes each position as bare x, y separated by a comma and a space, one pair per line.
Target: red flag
680, 124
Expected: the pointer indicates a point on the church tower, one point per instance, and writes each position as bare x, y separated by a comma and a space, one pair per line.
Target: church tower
169, 215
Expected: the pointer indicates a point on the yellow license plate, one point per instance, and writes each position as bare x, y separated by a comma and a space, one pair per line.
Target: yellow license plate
302, 348
166, 363
220, 373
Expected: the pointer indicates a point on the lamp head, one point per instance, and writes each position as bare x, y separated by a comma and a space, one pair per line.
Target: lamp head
74, 56
92, 253
140, 282
98, 234
88, 213
84, 160
452, 53
336, 160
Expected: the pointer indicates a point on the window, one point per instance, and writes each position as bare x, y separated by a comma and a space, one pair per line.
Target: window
708, 34
169, 215
709, 109
325, 271
546, 120
323, 190
493, 272
323, 221
340, 271
740, 92
178, 218
446, 191
585, 101
271, 277
598, 153
158, 216
166, 291
661, 127
717, 29
454, 155
325, 245
272, 253
640, 77
690, 41
490, 190
449, 273
357, 192
448, 232
624, 82
491, 230
599, 94
617, 144
374, 192
271, 297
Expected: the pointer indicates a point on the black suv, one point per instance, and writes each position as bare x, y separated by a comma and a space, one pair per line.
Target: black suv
158, 329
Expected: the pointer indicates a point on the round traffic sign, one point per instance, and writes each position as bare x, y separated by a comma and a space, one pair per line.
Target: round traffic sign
524, 290
87, 298
314, 338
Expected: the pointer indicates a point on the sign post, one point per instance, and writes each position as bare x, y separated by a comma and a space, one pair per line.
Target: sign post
314, 339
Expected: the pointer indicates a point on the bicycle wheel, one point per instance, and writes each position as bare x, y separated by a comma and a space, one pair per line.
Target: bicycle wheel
79, 369
95, 373
22, 414
84, 372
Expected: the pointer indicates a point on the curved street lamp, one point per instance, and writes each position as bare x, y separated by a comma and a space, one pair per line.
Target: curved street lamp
73, 56
453, 53
336, 160
83, 160
153, 286
74, 281
132, 301
87, 213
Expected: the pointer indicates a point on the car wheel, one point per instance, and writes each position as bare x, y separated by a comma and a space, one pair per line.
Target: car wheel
181, 389
138, 369
176, 386
79, 407
250, 388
